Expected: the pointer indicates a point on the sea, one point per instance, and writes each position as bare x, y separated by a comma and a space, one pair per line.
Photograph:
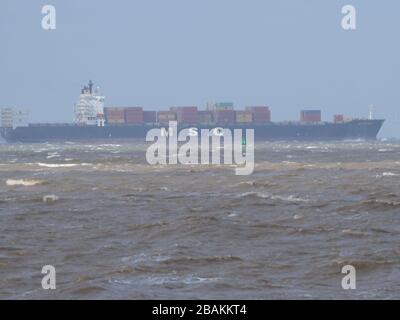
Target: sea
115, 227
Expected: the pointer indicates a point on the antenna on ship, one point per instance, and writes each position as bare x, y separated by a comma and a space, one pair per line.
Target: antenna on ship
90, 86
371, 111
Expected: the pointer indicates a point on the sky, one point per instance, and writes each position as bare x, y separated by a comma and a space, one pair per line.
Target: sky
288, 54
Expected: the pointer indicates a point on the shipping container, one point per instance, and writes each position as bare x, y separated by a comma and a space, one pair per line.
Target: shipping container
224, 104
114, 109
261, 114
258, 109
133, 109
187, 109
338, 118
150, 116
244, 116
187, 115
205, 116
134, 115
220, 106
166, 116
114, 114
310, 116
224, 116
115, 120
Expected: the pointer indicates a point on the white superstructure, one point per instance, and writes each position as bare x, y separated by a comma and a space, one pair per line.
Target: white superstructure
90, 108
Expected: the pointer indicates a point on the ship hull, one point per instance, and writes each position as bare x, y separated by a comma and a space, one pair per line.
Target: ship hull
356, 129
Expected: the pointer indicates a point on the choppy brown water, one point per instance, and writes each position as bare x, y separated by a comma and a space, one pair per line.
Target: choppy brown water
119, 228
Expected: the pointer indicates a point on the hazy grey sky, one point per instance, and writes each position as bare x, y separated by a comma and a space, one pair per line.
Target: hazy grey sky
157, 53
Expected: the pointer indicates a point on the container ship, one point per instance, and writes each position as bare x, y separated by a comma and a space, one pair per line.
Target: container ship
94, 121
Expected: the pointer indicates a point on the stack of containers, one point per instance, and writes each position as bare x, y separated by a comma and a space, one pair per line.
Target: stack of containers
261, 114
134, 115
205, 117
224, 113
224, 116
310, 116
244, 116
165, 117
150, 116
338, 118
223, 106
187, 115
114, 115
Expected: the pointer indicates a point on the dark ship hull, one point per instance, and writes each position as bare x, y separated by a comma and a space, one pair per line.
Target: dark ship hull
355, 129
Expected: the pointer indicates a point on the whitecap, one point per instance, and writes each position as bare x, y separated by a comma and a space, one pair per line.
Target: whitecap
389, 174
23, 182
62, 165
50, 198
52, 155
289, 198
54, 165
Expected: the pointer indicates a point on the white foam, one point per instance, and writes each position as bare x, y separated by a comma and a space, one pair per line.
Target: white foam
389, 174
52, 155
289, 198
23, 182
54, 165
62, 165
50, 198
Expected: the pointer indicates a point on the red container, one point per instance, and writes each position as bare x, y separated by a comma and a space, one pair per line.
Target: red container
261, 114
224, 116
338, 118
187, 114
185, 109
310, 116
262, 117
114, 115
134, 115
150, 116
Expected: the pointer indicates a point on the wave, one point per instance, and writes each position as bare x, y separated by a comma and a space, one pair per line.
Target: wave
390, 174
166, 280
165, 259
50, 198
23, 182
289, 198
52, 155
61, 165
175, 279
372, 204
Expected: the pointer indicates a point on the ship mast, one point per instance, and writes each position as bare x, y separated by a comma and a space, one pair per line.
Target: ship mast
370, 113
90, 86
